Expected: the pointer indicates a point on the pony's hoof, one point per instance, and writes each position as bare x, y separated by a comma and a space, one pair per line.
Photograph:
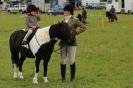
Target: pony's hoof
35, 80
15, 75
45, 79
20, 75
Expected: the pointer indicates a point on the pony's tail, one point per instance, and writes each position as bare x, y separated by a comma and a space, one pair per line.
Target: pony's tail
14, 57
13, 50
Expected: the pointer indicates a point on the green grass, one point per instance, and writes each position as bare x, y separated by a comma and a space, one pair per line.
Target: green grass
104, 54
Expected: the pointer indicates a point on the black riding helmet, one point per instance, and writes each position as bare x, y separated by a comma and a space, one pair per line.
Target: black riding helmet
31, 8
69, 8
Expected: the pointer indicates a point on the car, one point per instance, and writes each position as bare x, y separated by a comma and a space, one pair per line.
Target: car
100, 5
56, 10
89, 6
17, 8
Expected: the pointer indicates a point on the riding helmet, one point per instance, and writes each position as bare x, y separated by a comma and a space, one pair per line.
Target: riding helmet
69, 8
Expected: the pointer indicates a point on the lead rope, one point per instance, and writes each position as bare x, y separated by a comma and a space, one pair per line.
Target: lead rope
56, 51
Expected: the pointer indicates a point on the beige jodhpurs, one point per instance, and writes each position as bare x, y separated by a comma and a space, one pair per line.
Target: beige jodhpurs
68, 51
28, 34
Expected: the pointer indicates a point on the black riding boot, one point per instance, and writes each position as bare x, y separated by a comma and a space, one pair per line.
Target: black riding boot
73, 69
63, 71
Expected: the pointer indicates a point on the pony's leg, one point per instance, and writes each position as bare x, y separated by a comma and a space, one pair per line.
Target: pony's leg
15, 70
37, 63
15, 61
22, 58
45, 66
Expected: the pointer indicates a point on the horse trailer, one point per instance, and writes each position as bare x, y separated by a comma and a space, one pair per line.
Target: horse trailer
121, 6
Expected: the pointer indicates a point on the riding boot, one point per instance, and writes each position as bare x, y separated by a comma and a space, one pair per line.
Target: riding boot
63, 71
73, 69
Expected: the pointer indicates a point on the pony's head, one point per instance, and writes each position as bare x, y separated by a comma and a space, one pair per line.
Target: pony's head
64, 33
61, 31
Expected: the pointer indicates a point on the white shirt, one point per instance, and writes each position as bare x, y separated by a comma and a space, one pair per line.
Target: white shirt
67, 18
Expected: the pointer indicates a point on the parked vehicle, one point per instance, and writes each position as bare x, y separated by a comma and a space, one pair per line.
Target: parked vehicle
89, 6
57, 10
17, 8
101, 5
85, 2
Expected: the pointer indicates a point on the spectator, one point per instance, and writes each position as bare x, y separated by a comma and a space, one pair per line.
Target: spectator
113, 14
84, 16
75, 27
79, 16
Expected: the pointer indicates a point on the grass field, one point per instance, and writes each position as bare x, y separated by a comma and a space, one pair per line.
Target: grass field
104, 54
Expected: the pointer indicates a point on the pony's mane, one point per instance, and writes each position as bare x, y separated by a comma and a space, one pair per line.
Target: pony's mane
44, 28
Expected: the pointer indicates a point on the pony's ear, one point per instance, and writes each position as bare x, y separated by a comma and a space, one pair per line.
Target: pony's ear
59, 22
62, 22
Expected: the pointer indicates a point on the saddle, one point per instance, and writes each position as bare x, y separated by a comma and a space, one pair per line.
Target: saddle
28, 39
31, 36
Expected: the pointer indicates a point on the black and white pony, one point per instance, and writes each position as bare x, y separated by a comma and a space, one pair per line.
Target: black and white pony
39, 47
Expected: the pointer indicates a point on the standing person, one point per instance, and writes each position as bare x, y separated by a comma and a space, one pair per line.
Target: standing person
75, 28
84, 15
31, 21
79, 16
113, 14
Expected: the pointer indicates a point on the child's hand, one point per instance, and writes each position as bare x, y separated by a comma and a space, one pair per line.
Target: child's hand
34, 27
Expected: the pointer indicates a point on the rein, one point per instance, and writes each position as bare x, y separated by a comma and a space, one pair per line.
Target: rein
37, 40
56, 51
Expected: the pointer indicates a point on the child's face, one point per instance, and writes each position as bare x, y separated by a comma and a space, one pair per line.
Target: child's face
34, 13
67, 13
